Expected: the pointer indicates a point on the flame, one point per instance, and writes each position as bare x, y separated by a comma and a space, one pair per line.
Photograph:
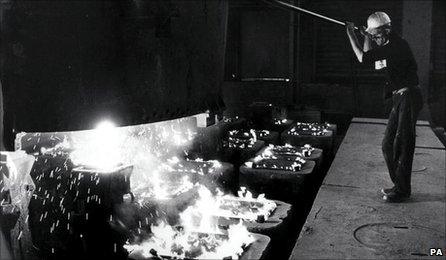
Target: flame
200, 217
199, 236
158, 189
216, 164
99, 148
168, 241
253, 134
258, 158
173, 160
263, 206
177, 137
267, 152
146, 147
241, 139
314, 129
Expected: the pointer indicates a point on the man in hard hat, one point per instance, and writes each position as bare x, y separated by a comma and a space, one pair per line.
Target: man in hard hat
391, 54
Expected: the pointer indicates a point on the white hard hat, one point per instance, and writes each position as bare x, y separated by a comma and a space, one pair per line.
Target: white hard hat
376, 20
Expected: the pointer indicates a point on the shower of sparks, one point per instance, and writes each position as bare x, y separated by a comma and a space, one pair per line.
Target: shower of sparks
155, 152
102, 150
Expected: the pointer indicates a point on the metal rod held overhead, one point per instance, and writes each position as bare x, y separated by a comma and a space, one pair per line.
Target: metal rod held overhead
298, 9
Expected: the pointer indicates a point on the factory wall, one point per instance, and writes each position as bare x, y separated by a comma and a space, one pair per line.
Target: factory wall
71, 63
417, 30
436, 96
174, 57
259, 56
258, 41
63, 58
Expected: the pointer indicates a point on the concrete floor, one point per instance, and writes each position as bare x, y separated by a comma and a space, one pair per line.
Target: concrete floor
348, 218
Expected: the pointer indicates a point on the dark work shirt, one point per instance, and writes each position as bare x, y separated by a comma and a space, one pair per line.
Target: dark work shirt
396, 59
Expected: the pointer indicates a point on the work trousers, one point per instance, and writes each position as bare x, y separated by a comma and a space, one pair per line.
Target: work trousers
399, 138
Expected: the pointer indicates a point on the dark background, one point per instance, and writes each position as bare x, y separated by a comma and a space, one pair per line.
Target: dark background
66, 64
70, 63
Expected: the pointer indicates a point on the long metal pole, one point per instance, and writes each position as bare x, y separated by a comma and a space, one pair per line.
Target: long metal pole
295, 8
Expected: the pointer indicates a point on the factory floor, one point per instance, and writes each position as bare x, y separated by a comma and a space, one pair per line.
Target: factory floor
348, 218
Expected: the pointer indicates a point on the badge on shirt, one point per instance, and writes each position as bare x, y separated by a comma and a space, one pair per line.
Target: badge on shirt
380, 64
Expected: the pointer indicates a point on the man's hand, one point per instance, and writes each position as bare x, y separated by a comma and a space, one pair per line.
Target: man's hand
350, 27
363, 32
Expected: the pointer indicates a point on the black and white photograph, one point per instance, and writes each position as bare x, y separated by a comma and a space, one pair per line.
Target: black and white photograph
222, 129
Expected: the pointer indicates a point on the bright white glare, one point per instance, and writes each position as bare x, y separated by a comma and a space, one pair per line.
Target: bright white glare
106, 124
100, 148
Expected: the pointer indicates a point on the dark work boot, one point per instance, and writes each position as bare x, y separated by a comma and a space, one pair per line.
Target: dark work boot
387, 191
395, 197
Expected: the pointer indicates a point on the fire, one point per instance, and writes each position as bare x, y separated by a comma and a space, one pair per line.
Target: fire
307, 150
99, 148
275, 158
245, 206
146, 148
314, 129
253, 134
199, 217
169, 241
160, 188
107, 146
241, 139
215, 164
198, 165
198, 235
280, 121
275, 151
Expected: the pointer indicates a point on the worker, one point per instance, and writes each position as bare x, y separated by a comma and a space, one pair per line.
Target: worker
391, 54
